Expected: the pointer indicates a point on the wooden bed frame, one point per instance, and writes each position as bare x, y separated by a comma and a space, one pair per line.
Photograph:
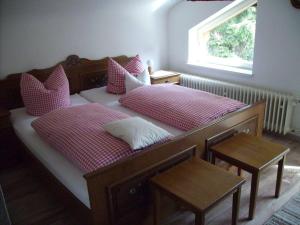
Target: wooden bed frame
119, 193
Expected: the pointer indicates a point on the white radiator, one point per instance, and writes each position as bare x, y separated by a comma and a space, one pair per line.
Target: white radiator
279, 106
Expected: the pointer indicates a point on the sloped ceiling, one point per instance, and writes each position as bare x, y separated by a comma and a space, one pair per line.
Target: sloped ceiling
166, 5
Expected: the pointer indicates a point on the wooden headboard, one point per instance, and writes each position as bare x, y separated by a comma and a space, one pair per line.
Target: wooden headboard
82, 73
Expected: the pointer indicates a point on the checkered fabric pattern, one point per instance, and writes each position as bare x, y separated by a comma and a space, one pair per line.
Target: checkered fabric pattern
116, 74
180, 107
135, 66
40, 98
77, 133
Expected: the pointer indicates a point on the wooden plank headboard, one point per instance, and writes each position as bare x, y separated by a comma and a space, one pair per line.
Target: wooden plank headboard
82, 73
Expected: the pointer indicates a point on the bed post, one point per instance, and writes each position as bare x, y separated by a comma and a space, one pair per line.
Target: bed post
261, 106
99, 202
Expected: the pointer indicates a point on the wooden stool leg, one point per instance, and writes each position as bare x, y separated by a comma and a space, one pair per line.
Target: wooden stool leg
279, 176
208, 155
156, 206
253, 194
236, 206
213, 158
200, 219
239, 171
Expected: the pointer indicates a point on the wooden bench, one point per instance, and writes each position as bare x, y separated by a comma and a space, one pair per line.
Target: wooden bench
197, 185
252, 154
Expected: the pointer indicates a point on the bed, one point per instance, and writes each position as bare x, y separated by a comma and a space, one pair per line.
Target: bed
118, 193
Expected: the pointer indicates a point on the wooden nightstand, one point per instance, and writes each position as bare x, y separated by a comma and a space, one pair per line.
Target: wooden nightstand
8, 141
162, 76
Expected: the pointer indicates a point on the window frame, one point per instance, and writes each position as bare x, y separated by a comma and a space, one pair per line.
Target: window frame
194, 55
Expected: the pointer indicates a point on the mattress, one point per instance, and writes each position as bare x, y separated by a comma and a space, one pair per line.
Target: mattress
99, 95
67, 173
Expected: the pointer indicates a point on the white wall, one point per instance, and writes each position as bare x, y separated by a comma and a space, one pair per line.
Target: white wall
39, 33
277, 47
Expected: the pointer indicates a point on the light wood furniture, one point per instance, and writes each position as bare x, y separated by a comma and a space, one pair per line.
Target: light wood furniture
162, 76
119, 192
252, 154
199, 186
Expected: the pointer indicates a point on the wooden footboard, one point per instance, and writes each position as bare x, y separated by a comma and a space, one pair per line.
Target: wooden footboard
116, 188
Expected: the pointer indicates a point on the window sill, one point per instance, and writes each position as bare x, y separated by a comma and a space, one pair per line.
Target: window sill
245, 72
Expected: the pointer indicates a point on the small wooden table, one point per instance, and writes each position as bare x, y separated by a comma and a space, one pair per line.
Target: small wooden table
252, 154
197, 185
163, 76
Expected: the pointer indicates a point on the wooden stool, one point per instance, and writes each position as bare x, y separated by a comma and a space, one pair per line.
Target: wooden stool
252, 154
198, 186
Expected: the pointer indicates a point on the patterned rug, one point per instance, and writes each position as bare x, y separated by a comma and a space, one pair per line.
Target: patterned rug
289, 214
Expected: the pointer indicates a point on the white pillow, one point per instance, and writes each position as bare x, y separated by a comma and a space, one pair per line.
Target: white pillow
132, 82
145, 77
137, 132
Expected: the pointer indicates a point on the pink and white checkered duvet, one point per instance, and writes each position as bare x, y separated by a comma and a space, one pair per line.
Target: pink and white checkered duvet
180, 107
77, 133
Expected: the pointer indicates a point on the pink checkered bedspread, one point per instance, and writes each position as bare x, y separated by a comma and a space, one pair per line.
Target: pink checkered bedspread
77, 133
180, 107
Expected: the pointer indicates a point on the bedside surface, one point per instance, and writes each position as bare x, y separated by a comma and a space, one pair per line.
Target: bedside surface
163, 73
163, 76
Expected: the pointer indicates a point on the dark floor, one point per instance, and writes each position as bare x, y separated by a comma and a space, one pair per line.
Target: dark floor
30, 203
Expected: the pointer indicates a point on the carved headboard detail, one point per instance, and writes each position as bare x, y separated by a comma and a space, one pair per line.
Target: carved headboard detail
82, 73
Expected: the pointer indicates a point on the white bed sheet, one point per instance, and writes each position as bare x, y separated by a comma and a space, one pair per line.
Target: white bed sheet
67, 173
99, 95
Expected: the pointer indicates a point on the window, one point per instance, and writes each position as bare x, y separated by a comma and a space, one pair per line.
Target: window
226, 39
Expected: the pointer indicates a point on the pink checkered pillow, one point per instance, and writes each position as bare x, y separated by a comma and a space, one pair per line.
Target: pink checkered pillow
116, 74
135, 66
40, 98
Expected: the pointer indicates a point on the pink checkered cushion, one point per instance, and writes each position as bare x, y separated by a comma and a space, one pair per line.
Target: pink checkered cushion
40, 98
135, 66
180, 107
116, 74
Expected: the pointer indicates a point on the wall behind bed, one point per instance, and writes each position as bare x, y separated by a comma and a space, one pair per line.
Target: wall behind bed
277, 48
39, 33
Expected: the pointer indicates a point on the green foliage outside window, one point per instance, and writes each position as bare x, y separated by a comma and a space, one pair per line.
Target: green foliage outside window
234, 38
